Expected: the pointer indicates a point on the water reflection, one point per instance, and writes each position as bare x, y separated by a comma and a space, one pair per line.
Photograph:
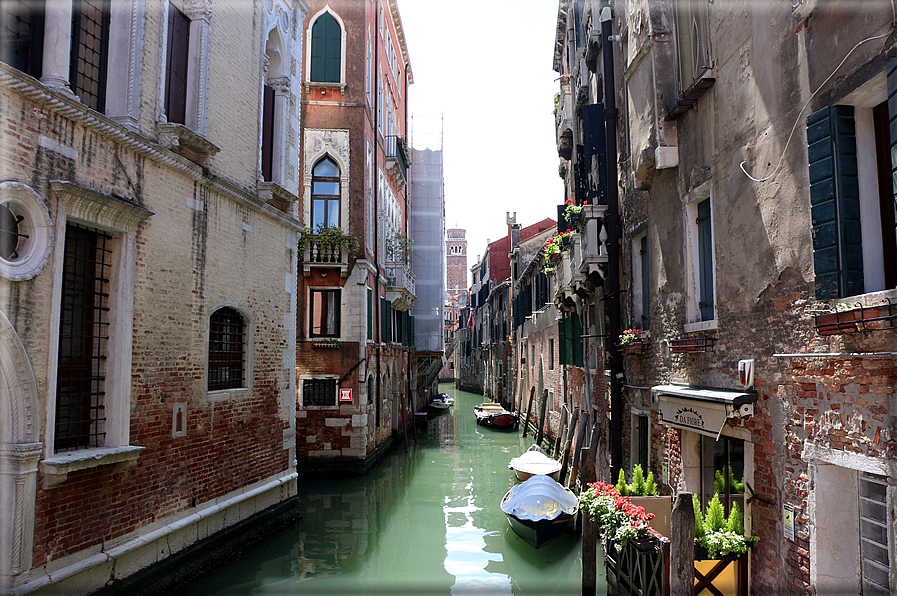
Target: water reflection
423, 522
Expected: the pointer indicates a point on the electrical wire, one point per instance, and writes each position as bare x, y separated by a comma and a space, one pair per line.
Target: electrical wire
793, 128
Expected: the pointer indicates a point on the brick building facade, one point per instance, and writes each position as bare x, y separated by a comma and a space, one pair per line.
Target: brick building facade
147, 295
355, 332
756, 223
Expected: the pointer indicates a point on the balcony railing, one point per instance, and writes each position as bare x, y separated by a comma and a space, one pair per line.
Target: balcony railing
395, 150
400, 286
321, 252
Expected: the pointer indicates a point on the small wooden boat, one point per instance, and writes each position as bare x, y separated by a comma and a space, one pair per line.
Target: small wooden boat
440, 403
495, 416
540, 509
533, 462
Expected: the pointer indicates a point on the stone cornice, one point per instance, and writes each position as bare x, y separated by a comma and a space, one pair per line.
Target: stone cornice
72, 109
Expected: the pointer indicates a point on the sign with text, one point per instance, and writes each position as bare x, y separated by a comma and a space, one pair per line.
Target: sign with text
706, 418
345, 395
789, 521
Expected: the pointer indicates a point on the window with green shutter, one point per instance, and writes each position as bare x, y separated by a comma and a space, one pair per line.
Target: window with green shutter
835, 202
370, 314
326, 50
705, 261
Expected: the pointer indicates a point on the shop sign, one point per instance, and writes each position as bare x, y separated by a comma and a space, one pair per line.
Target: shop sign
702, 417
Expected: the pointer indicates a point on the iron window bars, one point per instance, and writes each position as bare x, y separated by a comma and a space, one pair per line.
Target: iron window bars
83, 333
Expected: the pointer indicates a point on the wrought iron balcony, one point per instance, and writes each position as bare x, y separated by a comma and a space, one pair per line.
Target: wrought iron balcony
400, 286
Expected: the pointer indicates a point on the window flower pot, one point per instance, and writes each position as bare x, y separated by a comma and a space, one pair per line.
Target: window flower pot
636, 348
857, 319
692, 344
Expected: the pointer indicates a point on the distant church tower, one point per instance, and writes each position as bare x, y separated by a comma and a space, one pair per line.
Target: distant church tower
455, 262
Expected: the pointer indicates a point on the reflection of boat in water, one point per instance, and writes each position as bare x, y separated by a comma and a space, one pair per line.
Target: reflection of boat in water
532, 462
495, 416
440, 403
540, 509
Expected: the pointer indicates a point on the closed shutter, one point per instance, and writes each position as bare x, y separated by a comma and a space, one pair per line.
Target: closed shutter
595, 144
370, 314
176, 68
646, 296
889, 207
563, 344
834, 202
267, 133
575, 339
705, 261
325, 50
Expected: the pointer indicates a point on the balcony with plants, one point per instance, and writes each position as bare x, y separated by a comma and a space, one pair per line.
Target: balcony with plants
326, 247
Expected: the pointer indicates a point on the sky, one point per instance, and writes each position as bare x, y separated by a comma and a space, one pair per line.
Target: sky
486, 72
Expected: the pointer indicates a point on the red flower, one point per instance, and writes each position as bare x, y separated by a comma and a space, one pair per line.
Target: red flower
568, 202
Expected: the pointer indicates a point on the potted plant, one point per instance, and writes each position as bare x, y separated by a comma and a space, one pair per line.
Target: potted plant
329, 242
552, 250
632, 342
622, 523
573, 213
717, 536
848, 318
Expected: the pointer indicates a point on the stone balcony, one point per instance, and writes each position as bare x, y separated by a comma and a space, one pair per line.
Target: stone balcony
400, 286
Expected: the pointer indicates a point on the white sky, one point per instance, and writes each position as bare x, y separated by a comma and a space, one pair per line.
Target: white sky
487, 70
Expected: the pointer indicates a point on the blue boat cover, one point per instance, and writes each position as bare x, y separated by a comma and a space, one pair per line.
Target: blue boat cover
539, 498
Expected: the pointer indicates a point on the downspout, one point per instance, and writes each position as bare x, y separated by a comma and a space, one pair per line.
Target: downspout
376, 185
614, 233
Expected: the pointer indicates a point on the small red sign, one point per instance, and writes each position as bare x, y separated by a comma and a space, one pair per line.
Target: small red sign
345, 395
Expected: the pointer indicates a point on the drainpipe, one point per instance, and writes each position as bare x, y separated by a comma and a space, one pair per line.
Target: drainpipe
614, 233
376, 185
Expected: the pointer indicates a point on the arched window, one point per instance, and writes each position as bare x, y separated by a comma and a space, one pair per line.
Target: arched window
227, 331
326, 46
325, 190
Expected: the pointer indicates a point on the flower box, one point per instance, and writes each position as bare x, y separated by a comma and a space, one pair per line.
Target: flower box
692, 344
862, 318
637, 347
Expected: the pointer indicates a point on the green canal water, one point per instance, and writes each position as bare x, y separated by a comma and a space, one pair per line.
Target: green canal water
423, 522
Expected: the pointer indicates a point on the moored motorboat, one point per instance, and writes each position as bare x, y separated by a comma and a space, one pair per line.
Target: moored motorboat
533, 462
440, 403
540, 509
495, 416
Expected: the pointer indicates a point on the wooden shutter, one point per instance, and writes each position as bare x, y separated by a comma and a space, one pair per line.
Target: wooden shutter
705, 261
889, 196
176, 69
370, 314
595, 144
385, 320
835, 202
563, 344
268, 133
326, 46
574, 340
646, 297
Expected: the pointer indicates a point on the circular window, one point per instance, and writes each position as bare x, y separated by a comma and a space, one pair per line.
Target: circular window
26, 232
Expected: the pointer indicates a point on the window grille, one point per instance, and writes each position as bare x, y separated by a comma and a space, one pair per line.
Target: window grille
226, 355
22, 37
319, 392
9, 233
90, 41
83, 333
874, 533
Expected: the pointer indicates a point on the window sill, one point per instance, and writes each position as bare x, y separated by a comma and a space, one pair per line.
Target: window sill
225, 394
700, 326
56, 469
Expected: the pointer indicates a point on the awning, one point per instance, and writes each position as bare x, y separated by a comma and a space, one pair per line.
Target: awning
704, 410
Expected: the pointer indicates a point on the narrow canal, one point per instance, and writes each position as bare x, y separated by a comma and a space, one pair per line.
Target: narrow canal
423, 522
